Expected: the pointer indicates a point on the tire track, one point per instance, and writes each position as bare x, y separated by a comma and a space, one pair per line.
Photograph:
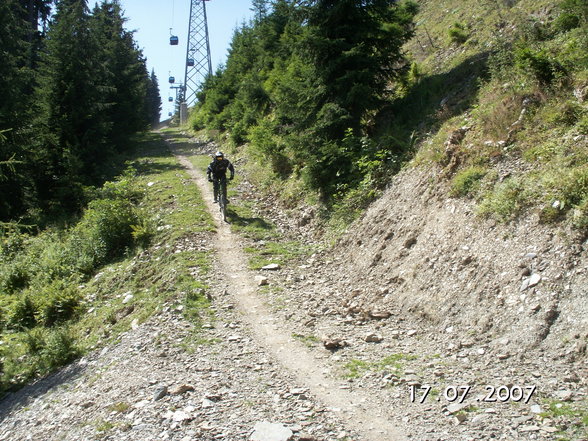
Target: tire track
353, 407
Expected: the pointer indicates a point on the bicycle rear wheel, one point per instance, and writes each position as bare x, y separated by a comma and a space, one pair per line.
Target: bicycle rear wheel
222, 199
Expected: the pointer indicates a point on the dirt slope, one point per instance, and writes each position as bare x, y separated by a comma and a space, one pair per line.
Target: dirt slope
446, 267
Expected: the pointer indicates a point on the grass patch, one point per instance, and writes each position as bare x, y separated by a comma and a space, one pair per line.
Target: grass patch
506, 200
467, 181
308, 340
458, 33
393, 363
246, 222
142, 243
120, 407
264, 253
528, 115
570, 418
104, 426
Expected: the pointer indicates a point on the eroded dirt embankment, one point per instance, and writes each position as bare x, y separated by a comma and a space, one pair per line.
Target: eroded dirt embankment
446, 267
422, 295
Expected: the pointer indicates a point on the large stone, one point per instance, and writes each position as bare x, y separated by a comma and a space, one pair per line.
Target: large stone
160, 393
266, 431
456, 407
181, 416
534, 280
271, 267
564, 395
181, 389
333, 343
261, 280
379, 315
374, 338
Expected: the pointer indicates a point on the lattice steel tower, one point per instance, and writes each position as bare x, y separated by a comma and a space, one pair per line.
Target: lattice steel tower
198, 63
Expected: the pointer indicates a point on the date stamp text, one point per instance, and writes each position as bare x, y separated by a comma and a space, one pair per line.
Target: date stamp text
458, 394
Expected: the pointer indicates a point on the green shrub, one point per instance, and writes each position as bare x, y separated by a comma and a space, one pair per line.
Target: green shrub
457, 33
574, 188
23, 314
49, 349
105, 232
143, 231
52, 260
566, 113
415, 73
125, 188
59, 349
467, 181
505, 201
566, 22
268, 146
11, 243
15, 275
60, 303
574, 14
583, 125
542, 67
580, 216
34, 340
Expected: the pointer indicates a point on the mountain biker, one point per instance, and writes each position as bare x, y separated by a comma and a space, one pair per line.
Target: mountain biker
217, 173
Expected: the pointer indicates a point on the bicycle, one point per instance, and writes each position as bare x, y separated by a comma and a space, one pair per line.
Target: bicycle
222, 197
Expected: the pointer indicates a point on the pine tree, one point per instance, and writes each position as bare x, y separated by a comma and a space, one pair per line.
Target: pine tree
13, 71
72, 85
36, 13
15, 81
127, 78
259, 9
153, 100
356, 47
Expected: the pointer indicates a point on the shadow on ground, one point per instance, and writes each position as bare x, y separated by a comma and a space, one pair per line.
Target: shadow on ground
256, 223
23, 397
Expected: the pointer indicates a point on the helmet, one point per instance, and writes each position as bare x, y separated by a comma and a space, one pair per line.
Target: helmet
219, 155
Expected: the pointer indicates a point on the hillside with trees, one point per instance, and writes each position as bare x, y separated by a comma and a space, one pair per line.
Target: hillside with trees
303, 85
74, 90
74, 95
334, 97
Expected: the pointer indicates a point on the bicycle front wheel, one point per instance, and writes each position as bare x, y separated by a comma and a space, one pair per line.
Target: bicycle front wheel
222, 199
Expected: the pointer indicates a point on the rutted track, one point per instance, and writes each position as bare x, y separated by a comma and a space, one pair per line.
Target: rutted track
371, 423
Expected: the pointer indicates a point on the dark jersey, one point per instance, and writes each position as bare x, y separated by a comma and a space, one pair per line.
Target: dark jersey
218, 169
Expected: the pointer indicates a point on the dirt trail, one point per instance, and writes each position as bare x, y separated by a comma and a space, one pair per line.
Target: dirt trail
354, 408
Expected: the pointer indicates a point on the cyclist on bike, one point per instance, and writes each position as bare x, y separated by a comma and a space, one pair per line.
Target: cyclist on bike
217, 173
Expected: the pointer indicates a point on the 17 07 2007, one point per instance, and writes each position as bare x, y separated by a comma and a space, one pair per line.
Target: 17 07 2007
458, 394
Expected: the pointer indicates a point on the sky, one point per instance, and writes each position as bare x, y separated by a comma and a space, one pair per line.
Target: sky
152, 20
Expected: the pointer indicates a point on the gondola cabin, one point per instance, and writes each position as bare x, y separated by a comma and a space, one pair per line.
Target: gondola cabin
190, 62
174, 40
170, 99
169, 114
172, 80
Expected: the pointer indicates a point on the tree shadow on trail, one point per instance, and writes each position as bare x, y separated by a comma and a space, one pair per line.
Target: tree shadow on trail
186, 145
26, 395
151, 148
248, 223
